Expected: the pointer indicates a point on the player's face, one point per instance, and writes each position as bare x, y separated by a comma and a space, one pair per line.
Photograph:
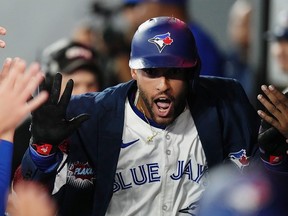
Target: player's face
162, 92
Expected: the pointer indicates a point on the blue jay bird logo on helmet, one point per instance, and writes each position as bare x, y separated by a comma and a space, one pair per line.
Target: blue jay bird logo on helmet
161, 41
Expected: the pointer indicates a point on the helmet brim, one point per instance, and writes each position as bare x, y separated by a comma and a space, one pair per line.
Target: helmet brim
163, 61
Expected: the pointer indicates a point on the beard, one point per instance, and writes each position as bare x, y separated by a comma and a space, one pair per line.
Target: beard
178, 105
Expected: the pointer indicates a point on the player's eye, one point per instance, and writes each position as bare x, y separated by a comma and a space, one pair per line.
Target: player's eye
152, 72
169, 73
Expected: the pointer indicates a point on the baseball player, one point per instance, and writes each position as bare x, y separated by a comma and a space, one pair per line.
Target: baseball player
143, 147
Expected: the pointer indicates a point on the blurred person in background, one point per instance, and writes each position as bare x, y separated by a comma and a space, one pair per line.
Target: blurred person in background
76, 61
88, 31
279, 39
119, 23
104, 30
137, 11
237, 64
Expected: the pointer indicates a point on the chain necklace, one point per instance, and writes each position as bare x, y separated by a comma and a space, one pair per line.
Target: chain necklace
154, 133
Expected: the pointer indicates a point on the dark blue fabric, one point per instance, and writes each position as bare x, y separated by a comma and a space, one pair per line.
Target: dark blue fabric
210, 54
237, 68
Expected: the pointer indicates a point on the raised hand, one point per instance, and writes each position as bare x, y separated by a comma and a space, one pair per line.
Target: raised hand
274, 127
16, 87
277, 106
49, 123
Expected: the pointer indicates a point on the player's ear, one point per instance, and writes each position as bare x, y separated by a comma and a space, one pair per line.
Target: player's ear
134, 74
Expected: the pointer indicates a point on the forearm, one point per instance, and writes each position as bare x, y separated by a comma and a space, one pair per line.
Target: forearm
7, 135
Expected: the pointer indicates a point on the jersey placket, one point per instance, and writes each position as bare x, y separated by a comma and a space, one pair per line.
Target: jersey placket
167, 185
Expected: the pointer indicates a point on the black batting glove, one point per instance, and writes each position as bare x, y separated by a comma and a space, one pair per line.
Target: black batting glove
272, 143
49, 126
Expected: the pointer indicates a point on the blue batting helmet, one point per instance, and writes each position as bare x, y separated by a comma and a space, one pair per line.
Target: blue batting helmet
163, 42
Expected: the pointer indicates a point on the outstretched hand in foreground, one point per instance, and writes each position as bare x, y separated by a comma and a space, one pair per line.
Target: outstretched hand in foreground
16, 88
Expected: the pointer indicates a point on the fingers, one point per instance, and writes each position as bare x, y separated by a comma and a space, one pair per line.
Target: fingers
268, 119
16, 71
29, 83
5, 68
37, 101
77, 121
277, 106
56, 89
32, 76
16, 89
277, 103
2, 32
2, 44
277, 97
21, 82
65, 98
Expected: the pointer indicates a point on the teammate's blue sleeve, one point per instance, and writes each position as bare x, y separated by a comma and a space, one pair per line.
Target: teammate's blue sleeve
6, 150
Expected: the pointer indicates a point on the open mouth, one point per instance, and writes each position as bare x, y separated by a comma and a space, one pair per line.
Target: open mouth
163, 106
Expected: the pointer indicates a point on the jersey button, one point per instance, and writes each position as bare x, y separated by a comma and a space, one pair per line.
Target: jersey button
164, 207
167, 136
168, 152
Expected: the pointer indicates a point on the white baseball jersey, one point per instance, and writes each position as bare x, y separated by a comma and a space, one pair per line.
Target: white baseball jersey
163, 176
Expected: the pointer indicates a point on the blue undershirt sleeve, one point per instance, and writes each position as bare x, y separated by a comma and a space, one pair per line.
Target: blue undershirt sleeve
45, 163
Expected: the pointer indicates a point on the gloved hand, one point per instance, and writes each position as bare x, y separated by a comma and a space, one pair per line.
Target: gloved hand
49, 124
272, 142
